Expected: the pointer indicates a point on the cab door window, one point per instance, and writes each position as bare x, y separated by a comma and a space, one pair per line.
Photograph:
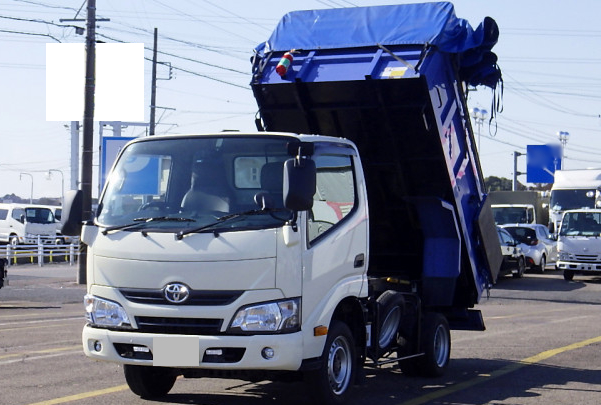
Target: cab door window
335, 196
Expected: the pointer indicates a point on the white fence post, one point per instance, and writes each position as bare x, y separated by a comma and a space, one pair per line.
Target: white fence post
8, 253
71, 254
40, 252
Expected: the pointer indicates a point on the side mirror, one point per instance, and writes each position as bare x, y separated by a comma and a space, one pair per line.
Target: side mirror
300, 177
22, 218
72, 214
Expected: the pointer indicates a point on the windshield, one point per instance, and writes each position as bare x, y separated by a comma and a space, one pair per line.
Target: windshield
581, 224
39, 215
197, 184
513, 215
572, 199
522, 234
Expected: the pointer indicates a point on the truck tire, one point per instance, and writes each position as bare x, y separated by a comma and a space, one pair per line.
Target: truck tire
568, 275
392, 305
331, 383
13, 241
436, 345
149, 382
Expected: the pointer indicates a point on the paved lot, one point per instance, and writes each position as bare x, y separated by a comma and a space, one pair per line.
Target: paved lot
542, 346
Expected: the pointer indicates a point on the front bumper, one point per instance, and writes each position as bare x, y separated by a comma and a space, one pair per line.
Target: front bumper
594, 267
215, 352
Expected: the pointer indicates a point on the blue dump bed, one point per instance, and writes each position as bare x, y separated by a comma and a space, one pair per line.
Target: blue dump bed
391, 79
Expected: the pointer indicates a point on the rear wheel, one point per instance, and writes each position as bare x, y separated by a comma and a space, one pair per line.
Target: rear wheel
568, 275
436, 344
149, 382
543, 264
521, 268
330, 384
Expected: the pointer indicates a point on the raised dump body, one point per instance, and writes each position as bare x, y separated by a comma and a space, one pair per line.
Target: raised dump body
391, 79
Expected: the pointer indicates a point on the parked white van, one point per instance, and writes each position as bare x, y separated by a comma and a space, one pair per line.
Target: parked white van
23, 223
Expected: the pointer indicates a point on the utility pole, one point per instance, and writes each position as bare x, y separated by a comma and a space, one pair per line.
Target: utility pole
88, 132
153, 90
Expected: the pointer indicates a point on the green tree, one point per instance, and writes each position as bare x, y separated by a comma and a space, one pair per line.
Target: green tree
494, 183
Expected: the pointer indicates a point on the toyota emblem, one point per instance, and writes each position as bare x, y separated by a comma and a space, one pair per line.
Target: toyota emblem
176, 293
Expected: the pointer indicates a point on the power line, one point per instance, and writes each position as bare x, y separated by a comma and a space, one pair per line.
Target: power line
200, 20
31, 33
236, 15
186, 70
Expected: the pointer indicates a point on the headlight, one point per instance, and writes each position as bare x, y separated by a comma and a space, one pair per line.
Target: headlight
564, 256
276, 316
101, 312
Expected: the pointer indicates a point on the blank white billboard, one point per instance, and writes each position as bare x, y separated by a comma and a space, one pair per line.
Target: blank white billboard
119, 84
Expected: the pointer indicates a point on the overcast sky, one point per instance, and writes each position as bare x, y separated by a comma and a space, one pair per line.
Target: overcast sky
548, 52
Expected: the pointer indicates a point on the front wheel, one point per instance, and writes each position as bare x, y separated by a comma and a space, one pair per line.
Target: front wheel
568, 275
13, 241
330, 384
149, 382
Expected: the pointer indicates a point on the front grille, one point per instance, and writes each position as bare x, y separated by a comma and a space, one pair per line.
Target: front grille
587, 258
197, 297
179, 326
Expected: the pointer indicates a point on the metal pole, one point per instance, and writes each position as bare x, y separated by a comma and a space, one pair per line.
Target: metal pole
515, 171
88, 131
31, 177
74, 155
62, 183
153, 89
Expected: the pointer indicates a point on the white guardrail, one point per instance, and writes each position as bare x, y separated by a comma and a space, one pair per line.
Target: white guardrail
41, 253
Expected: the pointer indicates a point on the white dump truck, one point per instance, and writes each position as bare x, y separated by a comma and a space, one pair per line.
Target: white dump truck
286, 254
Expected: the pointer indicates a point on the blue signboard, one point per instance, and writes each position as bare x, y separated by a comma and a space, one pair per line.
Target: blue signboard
542, 161
111, 146
140, 174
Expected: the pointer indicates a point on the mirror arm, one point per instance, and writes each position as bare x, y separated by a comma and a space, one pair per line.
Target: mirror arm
293, 220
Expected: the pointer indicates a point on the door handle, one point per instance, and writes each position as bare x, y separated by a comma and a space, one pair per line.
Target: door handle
359, 260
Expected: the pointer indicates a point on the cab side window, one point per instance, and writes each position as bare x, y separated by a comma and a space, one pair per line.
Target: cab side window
335, 197
18, 213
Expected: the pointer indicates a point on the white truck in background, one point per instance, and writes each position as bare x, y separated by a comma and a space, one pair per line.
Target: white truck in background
519, 207
573, 189
579, 243
26, 224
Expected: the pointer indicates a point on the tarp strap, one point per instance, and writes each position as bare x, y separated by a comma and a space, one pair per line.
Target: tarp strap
403, 61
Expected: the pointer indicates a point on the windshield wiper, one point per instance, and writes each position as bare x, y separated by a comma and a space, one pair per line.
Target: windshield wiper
179, 235
144, 220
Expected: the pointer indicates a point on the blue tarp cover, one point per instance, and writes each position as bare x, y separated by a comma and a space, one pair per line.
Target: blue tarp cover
405, 24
